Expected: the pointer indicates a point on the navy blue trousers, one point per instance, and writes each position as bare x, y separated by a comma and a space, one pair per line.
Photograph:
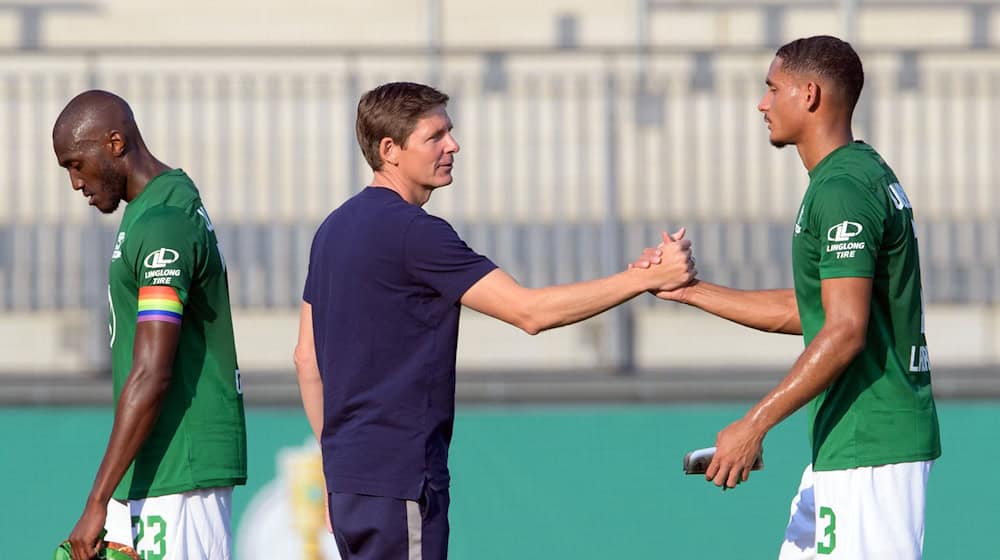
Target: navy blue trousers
380, 528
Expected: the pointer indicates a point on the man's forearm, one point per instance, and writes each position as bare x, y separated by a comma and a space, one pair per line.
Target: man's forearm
818, 366
557, 306
766, 310
307, 371
311, 389
138, 408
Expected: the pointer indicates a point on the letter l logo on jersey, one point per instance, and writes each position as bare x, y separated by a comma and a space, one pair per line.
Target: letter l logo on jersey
844, 231
160, 258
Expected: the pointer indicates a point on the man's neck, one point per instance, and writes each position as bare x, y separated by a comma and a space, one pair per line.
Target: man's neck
821, 141
145, 168
408, 191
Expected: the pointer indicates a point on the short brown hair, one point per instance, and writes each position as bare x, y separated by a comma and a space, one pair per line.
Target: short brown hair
827, 57
392, 111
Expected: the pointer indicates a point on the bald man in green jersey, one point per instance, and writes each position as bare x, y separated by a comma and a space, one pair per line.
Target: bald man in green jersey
178, 443
857, 301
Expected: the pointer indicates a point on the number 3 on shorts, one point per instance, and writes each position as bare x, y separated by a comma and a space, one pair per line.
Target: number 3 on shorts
158, 548
829, 534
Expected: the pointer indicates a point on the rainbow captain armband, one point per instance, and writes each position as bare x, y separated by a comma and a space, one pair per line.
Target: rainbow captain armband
159, 303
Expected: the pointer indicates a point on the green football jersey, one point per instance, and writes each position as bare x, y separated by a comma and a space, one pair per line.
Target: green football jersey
167, 266
856, 221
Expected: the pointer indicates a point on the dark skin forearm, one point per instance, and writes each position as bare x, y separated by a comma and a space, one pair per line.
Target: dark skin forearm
846, 304
828, 355
765, 310
138, 408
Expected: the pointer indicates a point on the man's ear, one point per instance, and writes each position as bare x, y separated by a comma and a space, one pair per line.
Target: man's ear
388, 150
813, 94
117, 145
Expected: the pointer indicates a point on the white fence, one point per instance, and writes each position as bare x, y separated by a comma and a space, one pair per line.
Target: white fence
571, 161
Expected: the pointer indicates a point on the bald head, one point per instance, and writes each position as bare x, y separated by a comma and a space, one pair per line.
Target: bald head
91, 116
96, 139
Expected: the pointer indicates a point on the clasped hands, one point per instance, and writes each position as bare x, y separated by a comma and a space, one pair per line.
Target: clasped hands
674, 253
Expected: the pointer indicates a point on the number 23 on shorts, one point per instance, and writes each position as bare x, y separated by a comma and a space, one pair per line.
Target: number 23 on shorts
150, 546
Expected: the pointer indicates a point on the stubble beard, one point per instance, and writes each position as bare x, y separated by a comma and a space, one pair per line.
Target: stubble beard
114, 183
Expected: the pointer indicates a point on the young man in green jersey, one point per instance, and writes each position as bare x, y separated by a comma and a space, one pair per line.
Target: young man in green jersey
178, 442
857, 302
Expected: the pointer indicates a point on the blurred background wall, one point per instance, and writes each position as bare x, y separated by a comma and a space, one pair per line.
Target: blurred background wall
587, 127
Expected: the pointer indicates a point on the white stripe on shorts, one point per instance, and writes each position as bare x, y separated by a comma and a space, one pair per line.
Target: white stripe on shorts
414, 530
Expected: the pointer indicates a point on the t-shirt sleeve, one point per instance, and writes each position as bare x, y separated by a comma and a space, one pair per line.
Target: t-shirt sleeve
436, 256
309, 290
850, 221
166, 248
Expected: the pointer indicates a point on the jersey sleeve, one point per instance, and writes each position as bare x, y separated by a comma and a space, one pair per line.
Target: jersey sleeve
166, 247
436, 256
850, 222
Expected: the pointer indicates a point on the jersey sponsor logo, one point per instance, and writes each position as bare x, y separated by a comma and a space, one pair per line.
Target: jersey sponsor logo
852, 246
117, 252
840, 234
162, 276
844, 231
161, 258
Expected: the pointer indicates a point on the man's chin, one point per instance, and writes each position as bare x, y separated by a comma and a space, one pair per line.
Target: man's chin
109, 208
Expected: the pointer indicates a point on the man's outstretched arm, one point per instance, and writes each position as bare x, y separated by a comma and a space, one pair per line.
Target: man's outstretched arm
766, 310
138, 408
772, 311
846, 302
537, 309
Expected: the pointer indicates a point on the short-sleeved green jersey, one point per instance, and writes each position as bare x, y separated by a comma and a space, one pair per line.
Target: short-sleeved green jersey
856, 221
167, 265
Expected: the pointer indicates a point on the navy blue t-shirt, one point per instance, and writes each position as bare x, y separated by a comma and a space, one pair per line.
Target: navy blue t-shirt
385, 279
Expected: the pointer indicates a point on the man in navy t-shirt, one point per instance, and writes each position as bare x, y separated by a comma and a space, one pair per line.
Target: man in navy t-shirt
379, 329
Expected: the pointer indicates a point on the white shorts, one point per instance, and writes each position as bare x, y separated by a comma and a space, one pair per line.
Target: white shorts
866, 513
192, 525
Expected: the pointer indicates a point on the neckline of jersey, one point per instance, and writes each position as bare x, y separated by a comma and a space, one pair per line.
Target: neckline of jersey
850, 145
177, 171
